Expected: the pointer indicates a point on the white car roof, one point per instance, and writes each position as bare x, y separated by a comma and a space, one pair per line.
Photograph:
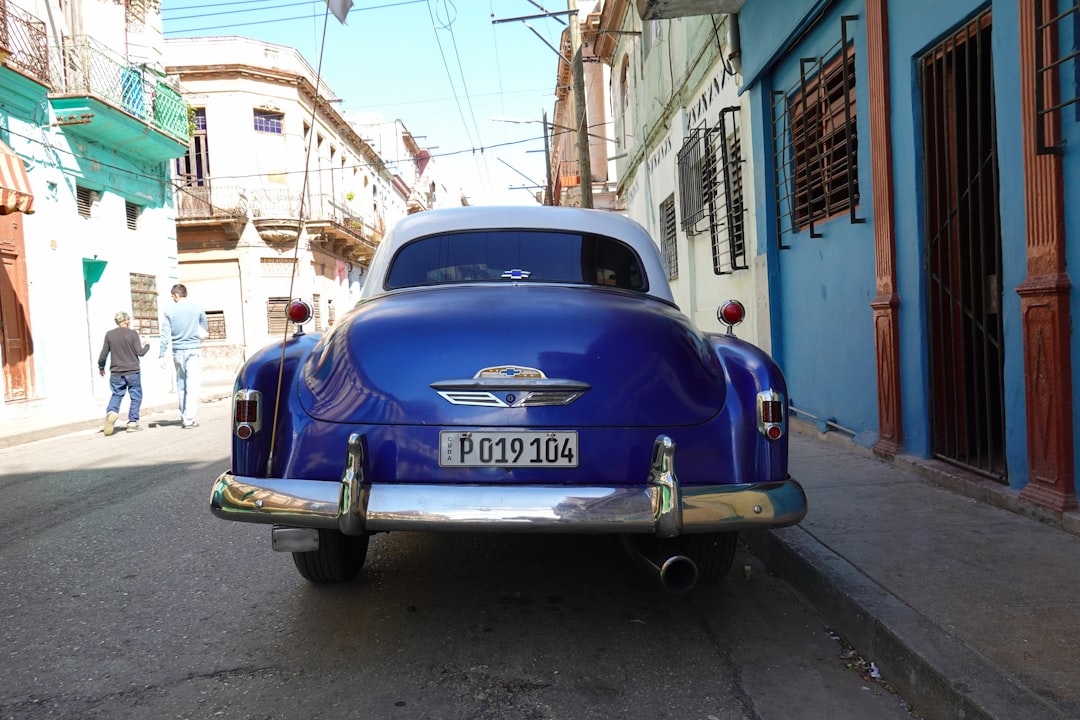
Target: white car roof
540, 217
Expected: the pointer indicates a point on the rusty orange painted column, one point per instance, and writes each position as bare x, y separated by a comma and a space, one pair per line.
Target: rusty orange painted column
886, 304
1044, 294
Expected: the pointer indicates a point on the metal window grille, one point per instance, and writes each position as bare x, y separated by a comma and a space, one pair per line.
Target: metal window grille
728, 227
132, 213
668, 247
215, 323
269, 122
277, 315
144, 304
85, 200
691, 196
711, 189
1053, 25
815, 142
962, 256
316, 311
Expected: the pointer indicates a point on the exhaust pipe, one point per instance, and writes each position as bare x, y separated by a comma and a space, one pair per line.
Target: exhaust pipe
676, 573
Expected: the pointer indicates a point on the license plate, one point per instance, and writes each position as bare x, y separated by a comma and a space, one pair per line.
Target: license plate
508, 449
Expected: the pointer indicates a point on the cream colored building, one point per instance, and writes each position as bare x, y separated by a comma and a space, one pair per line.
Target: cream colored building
565, 172
279, 195
684, 166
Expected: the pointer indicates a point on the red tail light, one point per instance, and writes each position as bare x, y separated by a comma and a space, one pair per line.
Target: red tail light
299, 312
772, 419
731, 313
247, 413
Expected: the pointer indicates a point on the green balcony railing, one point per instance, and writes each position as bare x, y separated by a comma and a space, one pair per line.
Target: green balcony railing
85, 66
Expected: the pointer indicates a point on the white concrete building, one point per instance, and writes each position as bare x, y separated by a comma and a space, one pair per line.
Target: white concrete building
279, 195
88, 112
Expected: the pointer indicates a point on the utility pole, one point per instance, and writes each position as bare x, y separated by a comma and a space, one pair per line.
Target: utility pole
581, 117
548, 189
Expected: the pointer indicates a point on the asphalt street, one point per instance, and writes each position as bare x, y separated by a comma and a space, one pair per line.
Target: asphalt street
125, 598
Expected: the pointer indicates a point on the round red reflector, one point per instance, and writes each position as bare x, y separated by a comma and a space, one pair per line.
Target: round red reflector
243, 431
731, 313
299, 311
774, 432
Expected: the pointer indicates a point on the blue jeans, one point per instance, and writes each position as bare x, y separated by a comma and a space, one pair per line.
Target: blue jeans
132, 385
188, 380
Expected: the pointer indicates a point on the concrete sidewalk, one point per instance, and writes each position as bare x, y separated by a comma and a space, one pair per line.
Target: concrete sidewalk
91, 413
969, 609
966, 605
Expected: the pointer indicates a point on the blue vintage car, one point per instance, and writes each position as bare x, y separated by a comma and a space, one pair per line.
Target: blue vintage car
516, 370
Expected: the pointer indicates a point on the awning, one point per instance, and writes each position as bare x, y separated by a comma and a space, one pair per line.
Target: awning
15, 194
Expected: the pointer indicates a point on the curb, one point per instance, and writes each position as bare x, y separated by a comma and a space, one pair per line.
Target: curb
936, 673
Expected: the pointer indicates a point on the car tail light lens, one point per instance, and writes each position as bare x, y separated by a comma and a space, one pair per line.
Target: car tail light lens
247, 413
299, 312
731, 313
772, 418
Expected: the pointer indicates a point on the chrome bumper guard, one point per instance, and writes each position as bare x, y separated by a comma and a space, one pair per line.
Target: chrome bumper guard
661, 506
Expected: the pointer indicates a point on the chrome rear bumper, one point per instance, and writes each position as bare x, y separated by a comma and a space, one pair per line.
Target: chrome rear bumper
660, 506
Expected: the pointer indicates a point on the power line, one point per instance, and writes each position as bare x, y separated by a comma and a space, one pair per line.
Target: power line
314, 15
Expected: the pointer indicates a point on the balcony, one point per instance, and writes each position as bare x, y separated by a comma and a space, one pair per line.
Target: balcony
23, 45
99, 96
275, 214
668, 9
202, 206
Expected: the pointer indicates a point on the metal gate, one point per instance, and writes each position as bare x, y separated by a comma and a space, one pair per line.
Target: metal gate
963, 251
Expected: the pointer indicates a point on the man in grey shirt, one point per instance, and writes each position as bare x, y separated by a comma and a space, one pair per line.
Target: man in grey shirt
125, 348
184, 325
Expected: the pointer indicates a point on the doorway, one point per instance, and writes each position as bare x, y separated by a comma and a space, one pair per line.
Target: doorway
16, 345
963, 251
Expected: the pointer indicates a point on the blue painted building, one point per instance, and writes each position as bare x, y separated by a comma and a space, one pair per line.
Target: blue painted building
911, 168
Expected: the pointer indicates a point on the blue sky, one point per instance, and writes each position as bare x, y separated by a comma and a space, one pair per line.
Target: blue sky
442, 67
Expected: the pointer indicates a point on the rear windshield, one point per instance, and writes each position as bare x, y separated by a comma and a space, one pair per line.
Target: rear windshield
517, 255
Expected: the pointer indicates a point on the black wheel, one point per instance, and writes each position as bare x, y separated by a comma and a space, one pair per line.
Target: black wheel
339, 557
711, 552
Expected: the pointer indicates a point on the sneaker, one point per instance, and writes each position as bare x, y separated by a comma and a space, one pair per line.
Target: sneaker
192, 425
110, 421
133, 427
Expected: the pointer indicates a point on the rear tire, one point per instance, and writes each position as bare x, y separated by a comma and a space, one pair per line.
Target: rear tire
338, 559
713, 553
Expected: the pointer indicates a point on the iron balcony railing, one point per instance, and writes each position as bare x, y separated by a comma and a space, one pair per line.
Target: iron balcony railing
23, 37
84, 66
202, 199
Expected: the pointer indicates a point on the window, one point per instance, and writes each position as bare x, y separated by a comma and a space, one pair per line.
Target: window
86, 199
144, 304
517, 256
193, 170
132, 212
215, 322
668, 247
651, 35
823, 141
711, 190
627, 118
277, 315
815, 142
316, 310
269, 122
